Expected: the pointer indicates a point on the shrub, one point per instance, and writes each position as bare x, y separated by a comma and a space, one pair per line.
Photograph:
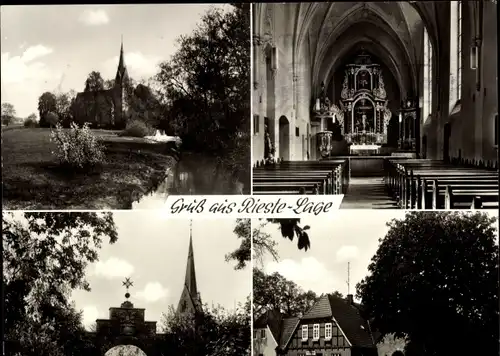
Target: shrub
30, 122
77, 147
52, 118
136, 128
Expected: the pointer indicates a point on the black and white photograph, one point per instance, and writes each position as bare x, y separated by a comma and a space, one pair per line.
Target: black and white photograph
125, 283
119, 106
398, 284
393, 104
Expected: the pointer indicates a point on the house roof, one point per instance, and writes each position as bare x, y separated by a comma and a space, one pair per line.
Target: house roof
356, 329
288, 327
273, 319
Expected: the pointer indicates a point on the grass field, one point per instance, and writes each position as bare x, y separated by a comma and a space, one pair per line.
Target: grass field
32, 178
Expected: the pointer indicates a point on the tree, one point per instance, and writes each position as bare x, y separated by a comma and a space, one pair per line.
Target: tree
94, 82
63, 105
211, 332
44, 258
8, 113
109, 84
434, 280
46, 103
206, 87
275, 292
242, 253
51, 118
263, 243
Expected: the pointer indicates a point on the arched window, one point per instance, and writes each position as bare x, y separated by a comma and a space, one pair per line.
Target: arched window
427, 99
455, 52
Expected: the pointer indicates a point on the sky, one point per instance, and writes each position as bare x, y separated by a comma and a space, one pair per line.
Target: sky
54, 47
347, 236
152, 250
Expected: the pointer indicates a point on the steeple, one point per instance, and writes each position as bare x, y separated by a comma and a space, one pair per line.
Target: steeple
121, 72
190, 299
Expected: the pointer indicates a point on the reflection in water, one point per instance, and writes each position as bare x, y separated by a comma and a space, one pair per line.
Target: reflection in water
190, 179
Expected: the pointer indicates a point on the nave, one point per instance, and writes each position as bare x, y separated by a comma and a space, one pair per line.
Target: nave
352, 97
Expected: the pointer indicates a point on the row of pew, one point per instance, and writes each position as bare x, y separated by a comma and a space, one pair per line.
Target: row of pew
301, 177
434, 184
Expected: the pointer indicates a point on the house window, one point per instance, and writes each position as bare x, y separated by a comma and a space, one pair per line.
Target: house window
427, 99
455, 52
305, 332
255, 334
256, 124
316, 332
263, 333
297, 131
328, 331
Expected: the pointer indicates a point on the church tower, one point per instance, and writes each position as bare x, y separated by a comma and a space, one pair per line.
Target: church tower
120, 97
190, 300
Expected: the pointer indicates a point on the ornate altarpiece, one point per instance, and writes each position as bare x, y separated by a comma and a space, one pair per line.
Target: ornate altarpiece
362, 113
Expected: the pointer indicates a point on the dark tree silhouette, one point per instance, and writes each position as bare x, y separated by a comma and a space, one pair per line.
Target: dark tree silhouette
434, 279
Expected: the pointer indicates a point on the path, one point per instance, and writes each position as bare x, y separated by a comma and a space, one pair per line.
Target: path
367, 193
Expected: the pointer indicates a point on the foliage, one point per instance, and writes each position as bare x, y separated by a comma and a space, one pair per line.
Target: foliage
8, 113
44, 257
275, 292
206, 86
290, 229
47, 102
243, 253
136, 128
144, 105
212, 332
77, 148
51, 118
263, 243
94, 82
31, 121
434, 279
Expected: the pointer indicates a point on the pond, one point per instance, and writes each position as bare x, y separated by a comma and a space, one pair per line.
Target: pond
192, 175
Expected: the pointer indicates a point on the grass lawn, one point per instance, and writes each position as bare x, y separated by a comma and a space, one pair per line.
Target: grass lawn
32, 178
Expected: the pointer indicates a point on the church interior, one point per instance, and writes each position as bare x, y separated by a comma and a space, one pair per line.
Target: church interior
377, 87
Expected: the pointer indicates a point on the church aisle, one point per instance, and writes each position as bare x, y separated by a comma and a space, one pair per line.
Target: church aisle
367, 193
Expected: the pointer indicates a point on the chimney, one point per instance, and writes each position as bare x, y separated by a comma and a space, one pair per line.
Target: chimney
350, 299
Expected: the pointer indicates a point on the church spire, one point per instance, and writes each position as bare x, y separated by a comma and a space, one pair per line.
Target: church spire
190, 299
121, 72
190, 280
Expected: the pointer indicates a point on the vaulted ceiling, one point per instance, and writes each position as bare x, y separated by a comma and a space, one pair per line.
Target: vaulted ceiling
327, 31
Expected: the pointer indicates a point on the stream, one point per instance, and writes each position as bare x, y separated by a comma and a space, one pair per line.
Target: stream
190, 176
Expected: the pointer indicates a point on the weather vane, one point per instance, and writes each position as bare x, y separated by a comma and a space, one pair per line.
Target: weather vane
127, 283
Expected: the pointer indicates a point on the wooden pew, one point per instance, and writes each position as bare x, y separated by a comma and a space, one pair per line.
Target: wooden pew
432, 192
289, 176
467, 199
408, 180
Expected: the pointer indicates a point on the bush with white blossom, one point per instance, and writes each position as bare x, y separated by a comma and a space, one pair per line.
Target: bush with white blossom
77, 147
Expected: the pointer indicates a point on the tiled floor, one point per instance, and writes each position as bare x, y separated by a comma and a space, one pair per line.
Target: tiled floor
367, 193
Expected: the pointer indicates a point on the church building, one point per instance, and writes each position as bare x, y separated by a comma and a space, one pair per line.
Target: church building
104, 108
373, 81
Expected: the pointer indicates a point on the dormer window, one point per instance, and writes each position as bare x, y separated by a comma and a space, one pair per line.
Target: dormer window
316, 332
328, 331
305, 332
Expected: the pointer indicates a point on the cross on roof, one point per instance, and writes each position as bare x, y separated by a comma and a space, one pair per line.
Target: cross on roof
128, 283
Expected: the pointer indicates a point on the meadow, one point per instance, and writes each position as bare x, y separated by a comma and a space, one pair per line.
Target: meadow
32, 177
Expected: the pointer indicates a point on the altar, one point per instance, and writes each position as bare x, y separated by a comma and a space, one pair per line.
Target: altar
362, 112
